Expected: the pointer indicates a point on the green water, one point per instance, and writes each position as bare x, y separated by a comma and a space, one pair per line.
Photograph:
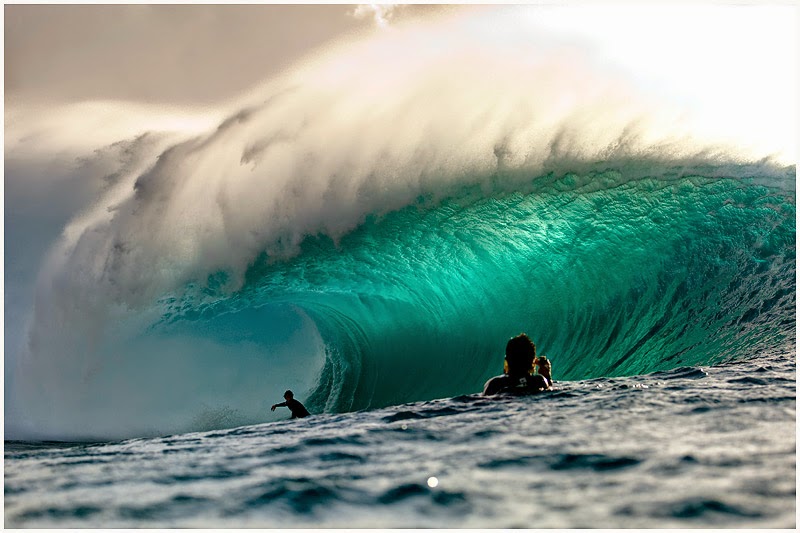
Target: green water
611, 275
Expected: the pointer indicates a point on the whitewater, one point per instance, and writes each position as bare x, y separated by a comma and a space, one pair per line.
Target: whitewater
368, 230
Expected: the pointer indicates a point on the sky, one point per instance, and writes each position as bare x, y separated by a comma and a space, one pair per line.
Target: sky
202, 56
186, 54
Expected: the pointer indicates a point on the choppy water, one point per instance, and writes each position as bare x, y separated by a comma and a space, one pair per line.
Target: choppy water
691, 447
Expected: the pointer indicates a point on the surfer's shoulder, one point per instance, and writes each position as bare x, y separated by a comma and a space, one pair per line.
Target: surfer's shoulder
522, 385
496, 385
507, 383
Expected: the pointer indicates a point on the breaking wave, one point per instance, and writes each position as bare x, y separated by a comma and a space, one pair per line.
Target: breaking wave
372, 236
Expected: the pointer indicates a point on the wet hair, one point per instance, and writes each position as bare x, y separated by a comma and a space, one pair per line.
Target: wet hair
288, 393
520, 353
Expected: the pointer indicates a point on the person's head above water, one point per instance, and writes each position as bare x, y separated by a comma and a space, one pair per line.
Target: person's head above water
288, 395
520, 353
543, 366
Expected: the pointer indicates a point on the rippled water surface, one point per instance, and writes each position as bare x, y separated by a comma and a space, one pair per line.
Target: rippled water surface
692, 447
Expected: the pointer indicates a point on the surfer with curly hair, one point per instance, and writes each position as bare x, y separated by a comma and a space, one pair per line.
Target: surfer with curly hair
520, 360
297, 408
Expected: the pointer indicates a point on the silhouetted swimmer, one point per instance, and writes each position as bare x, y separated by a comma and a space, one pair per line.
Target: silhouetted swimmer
520, 360
297, 409
542, 367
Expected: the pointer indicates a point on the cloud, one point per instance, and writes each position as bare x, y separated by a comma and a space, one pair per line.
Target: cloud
381, 13
169, 54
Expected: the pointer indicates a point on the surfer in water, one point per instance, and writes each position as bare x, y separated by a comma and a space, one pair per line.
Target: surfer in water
542, 366
517, 379
297, 409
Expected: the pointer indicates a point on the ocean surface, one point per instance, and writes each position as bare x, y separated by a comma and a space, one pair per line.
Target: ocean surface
710, 446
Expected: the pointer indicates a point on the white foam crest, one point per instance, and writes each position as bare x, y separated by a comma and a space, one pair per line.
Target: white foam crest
366, 131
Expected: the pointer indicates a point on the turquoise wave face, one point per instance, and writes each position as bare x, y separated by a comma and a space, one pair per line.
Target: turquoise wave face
609, 276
